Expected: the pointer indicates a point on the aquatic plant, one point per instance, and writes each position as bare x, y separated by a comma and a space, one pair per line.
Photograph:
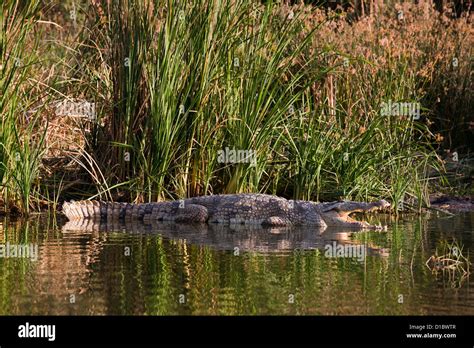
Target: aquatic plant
450, 261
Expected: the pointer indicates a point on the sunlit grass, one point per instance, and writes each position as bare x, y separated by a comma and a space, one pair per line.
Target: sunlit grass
176, 82
21, 131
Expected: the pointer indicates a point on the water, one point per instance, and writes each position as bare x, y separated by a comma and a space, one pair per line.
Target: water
174, 270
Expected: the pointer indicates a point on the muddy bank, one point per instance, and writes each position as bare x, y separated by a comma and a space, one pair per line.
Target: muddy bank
438, 201
452, 204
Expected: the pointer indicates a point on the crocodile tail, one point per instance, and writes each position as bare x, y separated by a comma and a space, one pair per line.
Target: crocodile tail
86, 209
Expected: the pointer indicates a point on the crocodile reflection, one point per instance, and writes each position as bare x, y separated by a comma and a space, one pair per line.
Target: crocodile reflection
232, 237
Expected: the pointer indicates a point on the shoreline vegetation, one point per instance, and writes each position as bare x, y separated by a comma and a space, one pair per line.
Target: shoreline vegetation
149, 100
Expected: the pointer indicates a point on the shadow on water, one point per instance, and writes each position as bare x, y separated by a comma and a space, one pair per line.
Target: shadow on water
166, 268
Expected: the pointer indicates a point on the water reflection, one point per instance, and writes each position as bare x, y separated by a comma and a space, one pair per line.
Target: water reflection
177, 269
230, 237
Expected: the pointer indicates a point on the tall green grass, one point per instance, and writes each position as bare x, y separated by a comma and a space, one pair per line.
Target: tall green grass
199, 77
189, 79
177, 82
21, 131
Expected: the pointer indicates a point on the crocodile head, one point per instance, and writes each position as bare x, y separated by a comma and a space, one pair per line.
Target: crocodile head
338, 214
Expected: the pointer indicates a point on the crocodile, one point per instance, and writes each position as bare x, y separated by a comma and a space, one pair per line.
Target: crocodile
249, 209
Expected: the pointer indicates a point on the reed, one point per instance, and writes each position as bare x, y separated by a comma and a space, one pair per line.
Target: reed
234, 96
21, 132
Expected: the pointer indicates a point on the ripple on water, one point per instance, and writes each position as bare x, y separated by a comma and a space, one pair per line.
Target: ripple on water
233, 271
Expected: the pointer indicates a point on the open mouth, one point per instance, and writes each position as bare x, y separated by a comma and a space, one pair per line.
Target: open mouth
341, 214
358, 221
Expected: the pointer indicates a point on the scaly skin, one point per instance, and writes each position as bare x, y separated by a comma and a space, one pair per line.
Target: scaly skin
252, 209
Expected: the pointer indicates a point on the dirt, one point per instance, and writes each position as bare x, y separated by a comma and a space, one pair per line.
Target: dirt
452, 203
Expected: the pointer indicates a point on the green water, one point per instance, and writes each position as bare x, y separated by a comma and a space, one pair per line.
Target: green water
164, 270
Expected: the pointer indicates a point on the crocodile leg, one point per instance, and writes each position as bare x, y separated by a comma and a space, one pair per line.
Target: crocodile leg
276, 221
191, 213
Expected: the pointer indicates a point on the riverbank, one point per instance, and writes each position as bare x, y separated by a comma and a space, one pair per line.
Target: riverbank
453, 204
154, 101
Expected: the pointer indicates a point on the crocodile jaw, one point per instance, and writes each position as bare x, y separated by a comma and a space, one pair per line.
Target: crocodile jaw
338, 218
345, 221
